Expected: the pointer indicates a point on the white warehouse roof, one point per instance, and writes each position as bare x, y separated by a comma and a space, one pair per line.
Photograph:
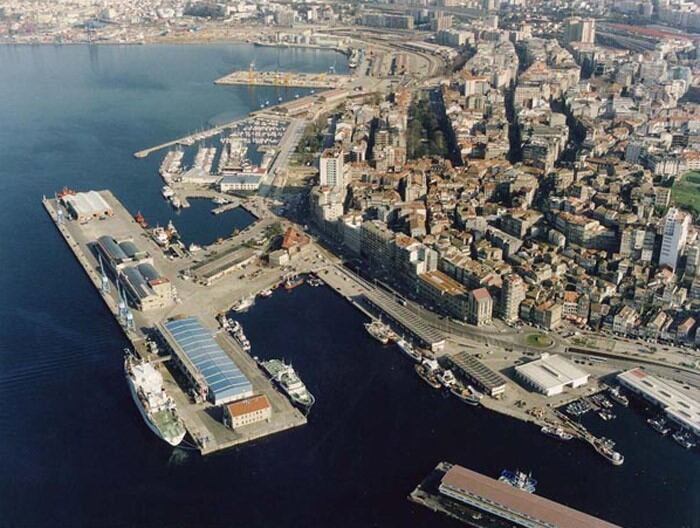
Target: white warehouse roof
678, 405
551, 373
88, 204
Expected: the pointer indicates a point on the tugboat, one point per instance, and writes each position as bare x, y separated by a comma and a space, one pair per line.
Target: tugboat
658, 424
605, 448
519, 480
156, 407
140, 220
407, 348
684, 439
288, 380
293, 281
617, 396
379, 331
556, 432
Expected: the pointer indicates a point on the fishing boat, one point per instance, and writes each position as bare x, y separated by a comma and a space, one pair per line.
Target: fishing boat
617, 396
293, 281
556, 432
243, 304
684, 439
408, 349
427, 371
379, 331
465, 396
605, 447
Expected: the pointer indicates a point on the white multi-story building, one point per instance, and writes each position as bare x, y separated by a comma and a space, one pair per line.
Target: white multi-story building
675, 233
512, 294
580, 30
331, 168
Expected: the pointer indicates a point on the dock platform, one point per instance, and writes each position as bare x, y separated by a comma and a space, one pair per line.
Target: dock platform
202, 420
283, 79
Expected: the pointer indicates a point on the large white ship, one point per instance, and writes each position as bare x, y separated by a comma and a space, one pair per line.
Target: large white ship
289, 381
156, 407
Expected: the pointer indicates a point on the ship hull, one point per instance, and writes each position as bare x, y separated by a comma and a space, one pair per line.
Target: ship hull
172, 441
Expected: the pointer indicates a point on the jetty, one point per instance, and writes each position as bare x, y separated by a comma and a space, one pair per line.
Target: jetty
113, 226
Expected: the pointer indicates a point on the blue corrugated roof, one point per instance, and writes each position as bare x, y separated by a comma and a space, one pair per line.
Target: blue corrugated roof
224, 379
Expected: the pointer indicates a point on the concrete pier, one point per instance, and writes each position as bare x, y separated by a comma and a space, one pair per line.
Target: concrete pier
202, 420
285, 79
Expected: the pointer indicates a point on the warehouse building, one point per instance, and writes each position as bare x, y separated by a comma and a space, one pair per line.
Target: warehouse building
117, 254
145, 287
84, 206
248, 411
211, 371
550, 374
679, 406
485, 379
228, 261
240, 182
511, 504
406, 321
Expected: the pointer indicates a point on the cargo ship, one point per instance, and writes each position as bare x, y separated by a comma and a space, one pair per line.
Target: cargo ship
156, 407
288, 380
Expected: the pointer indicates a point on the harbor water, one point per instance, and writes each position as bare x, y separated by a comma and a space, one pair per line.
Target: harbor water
75, 451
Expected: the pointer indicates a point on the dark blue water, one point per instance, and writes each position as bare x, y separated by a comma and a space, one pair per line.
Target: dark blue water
74, 451
197, 223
